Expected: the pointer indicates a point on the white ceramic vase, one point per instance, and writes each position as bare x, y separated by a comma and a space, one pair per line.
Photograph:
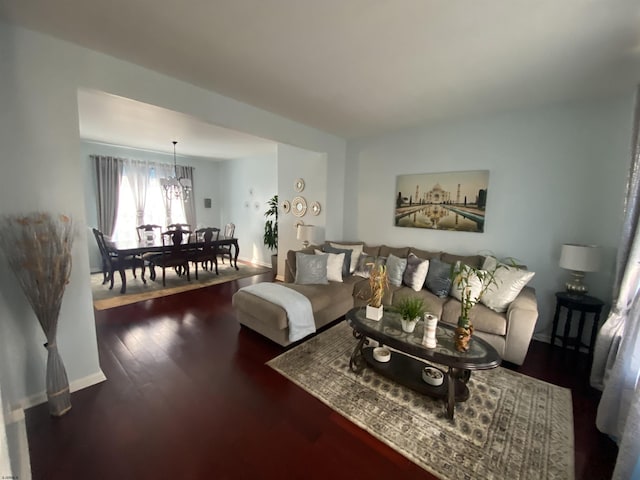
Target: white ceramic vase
409, 326
429, 335
374, 313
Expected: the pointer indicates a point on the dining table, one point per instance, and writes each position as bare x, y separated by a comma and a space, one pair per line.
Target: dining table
126, 248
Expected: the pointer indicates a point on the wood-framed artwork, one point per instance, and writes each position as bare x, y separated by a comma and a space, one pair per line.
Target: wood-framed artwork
442, 201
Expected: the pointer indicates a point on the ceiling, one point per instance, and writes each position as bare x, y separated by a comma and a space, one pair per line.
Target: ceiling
363, 67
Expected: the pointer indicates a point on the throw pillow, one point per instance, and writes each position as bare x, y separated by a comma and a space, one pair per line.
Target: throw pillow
509, 282
334, 265
357, 250
416, 272
438, 279
364, 265
475, 285
348, 253
395, 269
311, 269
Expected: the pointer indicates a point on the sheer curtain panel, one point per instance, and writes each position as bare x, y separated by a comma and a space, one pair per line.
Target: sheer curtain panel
616, 364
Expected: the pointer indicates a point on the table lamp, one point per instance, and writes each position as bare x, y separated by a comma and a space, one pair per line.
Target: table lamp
579, 259
305, 233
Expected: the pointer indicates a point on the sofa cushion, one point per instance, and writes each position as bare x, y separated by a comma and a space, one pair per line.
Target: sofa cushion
438, 279
509, 281
475, 284
291, 258
322, 296
357, 250
395, 269
483, 319
474, 261
335, 262
426, 254
366, 263
369, 250
402, 252
347, 252
432, 304
416, 272
311, 269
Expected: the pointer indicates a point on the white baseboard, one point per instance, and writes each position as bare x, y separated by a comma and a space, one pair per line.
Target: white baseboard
16, 428
74, 386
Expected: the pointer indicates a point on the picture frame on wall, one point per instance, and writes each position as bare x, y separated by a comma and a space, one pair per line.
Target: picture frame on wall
454, 201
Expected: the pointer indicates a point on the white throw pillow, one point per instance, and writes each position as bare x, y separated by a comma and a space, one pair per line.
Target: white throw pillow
355, 255
416, 272
334, 265
509, 281
475, 285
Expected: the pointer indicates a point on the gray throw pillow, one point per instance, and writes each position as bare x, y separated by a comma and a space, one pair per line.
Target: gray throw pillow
438, 279
311, 269
395, 269
416, 272
347, 257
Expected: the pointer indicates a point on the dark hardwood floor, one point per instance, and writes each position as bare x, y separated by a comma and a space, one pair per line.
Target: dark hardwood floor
189, 396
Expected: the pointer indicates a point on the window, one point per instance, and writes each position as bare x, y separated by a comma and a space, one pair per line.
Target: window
154, 209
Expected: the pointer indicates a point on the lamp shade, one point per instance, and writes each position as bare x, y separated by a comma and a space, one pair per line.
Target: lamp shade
580, 258
305, 233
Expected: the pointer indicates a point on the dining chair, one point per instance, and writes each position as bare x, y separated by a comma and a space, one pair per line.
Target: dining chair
175, 254
149, 229
179, 226
229, 231
112, 262
207, 251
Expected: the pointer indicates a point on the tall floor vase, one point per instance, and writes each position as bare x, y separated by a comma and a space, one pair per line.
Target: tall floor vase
37, 247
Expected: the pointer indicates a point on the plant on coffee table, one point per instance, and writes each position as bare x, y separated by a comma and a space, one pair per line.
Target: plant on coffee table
464, 277
411, 310
378, 284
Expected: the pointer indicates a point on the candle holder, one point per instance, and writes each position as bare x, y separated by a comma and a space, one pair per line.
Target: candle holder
429, 335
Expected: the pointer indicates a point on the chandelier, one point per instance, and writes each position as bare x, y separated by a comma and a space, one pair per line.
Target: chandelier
176, 187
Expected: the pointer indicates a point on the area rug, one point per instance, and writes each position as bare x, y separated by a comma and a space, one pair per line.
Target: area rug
137, 291
511, 427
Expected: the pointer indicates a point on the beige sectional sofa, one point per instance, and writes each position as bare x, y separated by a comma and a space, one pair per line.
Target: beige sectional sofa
509, 332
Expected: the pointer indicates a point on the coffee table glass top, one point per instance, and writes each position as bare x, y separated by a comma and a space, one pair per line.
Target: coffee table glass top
388, 331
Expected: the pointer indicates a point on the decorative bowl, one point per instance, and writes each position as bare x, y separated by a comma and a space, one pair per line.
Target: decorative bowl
382, 354
433, 376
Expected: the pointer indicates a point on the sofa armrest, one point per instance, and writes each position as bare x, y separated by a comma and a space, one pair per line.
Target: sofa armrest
289, 275
522, 316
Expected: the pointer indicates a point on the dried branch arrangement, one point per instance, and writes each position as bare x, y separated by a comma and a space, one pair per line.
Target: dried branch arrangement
37, 247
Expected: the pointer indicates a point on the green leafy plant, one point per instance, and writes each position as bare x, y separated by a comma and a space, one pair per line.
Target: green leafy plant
463, 276
411, 308
271, 225
378, 283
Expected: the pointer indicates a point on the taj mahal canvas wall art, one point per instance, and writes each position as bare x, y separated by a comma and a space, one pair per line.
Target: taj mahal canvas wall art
442, 201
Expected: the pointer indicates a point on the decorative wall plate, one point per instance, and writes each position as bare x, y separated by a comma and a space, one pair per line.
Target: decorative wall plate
286, 206
315, 208
297, 224
299, 185
299, 206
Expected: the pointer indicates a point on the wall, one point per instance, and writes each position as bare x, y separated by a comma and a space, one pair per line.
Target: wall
206, 184
311, 167
557, 175
43, 169
245, 187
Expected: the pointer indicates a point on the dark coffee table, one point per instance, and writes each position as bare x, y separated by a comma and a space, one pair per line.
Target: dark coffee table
407, 370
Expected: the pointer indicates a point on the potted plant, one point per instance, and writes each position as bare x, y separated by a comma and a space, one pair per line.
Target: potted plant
271, 231
465, 278
378, 283
411, 310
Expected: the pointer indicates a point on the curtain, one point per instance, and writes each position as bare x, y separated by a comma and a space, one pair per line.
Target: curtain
138, 173
109, 175
616, 364
165, 171
189, 205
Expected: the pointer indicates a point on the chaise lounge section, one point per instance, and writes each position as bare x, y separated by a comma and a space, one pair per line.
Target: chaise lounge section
508, 332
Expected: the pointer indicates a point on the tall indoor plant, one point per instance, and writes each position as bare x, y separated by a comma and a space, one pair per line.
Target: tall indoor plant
472, 283
271, 231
